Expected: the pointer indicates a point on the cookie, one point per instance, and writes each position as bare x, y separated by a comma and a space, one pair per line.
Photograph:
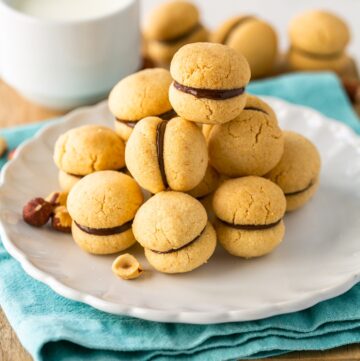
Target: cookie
174, 230
318, 41
298, 171
87, 149
140, 95
102, 206
170, 26
208, 184
209, 83
251, 144
164, 154
253, 38
249, 213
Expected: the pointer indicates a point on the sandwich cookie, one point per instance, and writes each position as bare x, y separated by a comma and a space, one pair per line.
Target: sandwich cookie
298, 171
102, 206
253, 38
87, 149
250, 213
170, 26
318, 41
140, 95
209, 83
174, 230
205, 189
164, 154
250, 144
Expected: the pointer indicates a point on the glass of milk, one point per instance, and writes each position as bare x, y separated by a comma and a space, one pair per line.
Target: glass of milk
66, 53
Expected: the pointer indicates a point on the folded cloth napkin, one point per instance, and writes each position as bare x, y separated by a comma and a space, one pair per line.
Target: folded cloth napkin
54, 328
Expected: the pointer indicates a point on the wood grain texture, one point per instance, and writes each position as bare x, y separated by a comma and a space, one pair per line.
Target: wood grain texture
15, 110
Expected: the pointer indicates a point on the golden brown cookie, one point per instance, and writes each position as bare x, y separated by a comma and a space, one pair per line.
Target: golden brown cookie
102, 206
250, 213
209, 83
318, 41
140, 95
87, 149
170, 26
253, 38
175, 232
164, 154
298, 171
251, 144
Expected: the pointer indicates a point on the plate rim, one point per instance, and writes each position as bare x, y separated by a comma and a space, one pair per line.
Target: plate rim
153, 314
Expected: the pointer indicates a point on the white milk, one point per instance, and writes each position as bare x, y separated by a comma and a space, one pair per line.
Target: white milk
67, 9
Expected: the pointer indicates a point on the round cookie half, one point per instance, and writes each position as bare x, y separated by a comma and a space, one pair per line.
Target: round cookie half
89, 148
185, 259
175, 232
297, 173
251, 144
209, 83
171, 20
67, 181
249, 214
163, 51
166, 154
319, 32
140, 95
102, 206
252, 37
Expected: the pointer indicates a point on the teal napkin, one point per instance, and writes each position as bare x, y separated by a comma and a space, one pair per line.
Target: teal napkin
53, 328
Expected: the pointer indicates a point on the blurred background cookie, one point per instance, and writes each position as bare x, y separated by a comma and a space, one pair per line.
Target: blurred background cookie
168, 27
318, 42
252, 37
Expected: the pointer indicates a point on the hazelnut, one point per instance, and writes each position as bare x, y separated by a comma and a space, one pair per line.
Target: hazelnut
57, 198
3, 146
37, 212
127, 267
61, 220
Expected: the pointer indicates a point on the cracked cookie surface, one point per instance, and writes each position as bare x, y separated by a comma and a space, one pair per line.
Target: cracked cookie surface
251, 144
89, 148
297, 173
174, 230
249, 213
209, 66
99, 202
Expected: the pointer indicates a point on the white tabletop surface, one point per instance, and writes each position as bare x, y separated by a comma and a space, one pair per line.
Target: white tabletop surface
278, 12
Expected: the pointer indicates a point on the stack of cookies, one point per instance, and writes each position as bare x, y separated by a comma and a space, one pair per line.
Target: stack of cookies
205, 162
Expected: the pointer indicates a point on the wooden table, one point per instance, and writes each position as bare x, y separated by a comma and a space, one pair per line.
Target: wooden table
16, 110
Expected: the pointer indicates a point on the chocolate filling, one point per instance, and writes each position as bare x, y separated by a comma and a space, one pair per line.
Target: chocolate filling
252, 227
181, 36
256, 110
166, 116
310, 54
182, 247
106, 231
238, 23
214, 94
300, 191
160, 134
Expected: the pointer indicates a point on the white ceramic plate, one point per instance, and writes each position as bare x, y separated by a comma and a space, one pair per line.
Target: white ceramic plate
319, 258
